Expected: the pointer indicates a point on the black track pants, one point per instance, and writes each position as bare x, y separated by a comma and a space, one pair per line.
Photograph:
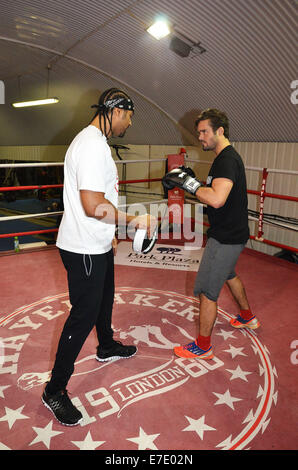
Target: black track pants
91, 294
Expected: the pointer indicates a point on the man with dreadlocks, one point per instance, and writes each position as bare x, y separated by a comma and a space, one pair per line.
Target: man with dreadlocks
87, 244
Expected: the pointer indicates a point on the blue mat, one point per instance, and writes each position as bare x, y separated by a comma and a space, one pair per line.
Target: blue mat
27, 206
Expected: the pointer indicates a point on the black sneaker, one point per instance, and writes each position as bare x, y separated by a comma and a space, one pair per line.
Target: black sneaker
117, 351
62, 408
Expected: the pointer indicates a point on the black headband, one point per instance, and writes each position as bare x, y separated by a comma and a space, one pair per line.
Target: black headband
119, 102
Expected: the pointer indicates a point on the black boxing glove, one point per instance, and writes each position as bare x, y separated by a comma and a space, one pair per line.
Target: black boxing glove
180, 178
188, 170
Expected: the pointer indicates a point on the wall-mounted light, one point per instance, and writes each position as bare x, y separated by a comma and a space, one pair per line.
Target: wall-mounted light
23, 104
159, 29
180, 44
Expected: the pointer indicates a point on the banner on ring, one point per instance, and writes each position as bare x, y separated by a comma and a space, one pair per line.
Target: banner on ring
162, 256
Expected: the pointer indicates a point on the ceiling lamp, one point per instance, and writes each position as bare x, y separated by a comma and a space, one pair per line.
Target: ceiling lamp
159, 29
47, 100
23, 104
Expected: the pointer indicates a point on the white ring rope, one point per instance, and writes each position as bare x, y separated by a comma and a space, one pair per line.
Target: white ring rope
28, 216
255, 219
152, 160
252, 168
144, 203
289, 227
44, 214
28, 165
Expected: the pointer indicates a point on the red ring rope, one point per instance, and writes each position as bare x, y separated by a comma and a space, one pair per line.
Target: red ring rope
20, 234
274, 196
47, 186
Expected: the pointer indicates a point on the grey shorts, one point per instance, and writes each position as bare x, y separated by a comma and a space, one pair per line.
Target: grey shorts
216, 267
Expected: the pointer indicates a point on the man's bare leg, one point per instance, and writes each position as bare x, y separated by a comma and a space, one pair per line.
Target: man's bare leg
208, 313
237, 289
202, 346
247, 317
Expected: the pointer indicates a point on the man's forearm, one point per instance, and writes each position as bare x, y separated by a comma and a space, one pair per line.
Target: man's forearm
109, 214
207, 196
97, 206
216, 195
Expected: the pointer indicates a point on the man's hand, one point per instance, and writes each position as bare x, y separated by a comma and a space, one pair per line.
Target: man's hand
146, 222
114, 245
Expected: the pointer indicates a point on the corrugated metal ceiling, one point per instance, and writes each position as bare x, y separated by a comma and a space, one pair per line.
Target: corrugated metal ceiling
247, 69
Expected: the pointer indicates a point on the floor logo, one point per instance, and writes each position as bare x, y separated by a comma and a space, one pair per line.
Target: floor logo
219, 404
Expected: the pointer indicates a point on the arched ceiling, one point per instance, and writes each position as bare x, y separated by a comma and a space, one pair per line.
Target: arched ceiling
247, 70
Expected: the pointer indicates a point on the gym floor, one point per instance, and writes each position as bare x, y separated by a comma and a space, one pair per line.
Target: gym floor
245, 398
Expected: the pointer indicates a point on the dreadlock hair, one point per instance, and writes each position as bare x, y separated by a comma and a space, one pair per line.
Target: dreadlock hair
108, 100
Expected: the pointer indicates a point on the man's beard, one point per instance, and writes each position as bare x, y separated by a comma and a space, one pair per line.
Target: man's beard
208, 147
205, 148
122, 134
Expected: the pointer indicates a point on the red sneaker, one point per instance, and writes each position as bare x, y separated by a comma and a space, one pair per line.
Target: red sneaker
239, 322
192, 351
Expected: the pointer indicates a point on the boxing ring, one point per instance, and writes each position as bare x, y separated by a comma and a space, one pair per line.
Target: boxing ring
243, 399
260, 217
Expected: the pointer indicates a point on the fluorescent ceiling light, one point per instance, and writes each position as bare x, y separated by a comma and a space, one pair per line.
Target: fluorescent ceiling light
35, 102
159, 29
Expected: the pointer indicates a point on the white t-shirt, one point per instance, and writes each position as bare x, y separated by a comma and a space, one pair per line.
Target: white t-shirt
88, 165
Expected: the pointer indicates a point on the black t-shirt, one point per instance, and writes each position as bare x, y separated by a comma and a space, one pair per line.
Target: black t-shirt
229, 223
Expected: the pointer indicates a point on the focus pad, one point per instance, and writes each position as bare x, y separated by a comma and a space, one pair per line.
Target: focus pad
142, 243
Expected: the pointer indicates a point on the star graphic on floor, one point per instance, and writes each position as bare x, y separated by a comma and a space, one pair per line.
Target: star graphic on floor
45, 435
238, 373
226, 334
226, 399
12, 416
4, 447
2, 388
88, 443
198, 425
235, 351
144, 441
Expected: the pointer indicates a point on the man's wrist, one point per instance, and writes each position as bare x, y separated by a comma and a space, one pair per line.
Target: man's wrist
198, 191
